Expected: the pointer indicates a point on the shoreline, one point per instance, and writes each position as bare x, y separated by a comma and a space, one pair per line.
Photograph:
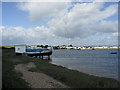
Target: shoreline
91, 74
88, 49
85, 72
93, 48
71, 78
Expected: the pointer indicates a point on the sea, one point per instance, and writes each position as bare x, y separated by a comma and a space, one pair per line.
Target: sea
98, 62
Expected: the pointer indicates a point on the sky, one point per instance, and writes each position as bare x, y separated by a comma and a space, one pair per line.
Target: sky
59, 23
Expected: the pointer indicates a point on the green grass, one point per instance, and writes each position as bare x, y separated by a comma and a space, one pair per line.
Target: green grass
72, 78
7, 46
10, 78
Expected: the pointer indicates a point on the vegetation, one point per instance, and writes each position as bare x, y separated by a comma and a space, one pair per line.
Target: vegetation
40, 46
72, 78
70, 45
10, 78
43, 46
7, 46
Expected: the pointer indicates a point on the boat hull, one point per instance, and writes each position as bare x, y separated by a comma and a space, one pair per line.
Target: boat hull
40, 54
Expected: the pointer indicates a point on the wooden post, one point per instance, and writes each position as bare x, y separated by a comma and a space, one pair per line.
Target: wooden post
26, 54
42, 57
48, 57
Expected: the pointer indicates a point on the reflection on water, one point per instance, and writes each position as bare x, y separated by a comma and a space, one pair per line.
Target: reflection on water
96, 62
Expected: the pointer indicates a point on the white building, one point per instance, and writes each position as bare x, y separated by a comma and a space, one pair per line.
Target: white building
20, 49
68, 47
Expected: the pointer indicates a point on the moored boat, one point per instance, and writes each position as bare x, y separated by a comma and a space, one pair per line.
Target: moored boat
32, 50
113, 53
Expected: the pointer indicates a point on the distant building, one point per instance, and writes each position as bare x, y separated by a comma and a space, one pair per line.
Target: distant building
69, 47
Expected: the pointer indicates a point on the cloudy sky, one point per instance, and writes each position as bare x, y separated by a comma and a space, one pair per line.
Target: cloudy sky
59, 23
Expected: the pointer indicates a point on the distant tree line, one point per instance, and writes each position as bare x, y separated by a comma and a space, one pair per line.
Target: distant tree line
43, 46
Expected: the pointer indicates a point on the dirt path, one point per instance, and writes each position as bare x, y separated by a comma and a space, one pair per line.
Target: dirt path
37, 80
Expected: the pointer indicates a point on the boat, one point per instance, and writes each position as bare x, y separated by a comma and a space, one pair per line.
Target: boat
41, 52
32, 50
113, 53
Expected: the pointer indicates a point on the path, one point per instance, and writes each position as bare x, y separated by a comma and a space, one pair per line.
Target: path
37, 80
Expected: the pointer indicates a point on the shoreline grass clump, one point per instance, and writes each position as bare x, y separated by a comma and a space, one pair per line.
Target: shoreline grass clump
71, 78
74, 78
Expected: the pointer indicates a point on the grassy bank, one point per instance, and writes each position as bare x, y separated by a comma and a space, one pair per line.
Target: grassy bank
8, 46
10, 78
69, 77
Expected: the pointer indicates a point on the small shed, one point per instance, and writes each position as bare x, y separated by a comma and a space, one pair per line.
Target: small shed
19, 49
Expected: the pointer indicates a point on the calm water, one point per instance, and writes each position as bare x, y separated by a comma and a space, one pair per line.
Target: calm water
95, 62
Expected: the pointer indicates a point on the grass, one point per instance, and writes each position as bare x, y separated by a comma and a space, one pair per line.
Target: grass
8, 46
72, 78
10, 78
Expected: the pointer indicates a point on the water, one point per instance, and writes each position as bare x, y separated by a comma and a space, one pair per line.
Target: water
95, 62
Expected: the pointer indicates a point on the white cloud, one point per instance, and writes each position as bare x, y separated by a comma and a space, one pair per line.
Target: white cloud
91, 12
84, 20
22, 35
42, 35
44, 10
105, 27
80, 25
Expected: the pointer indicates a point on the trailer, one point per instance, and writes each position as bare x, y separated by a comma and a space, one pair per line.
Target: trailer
33, 50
